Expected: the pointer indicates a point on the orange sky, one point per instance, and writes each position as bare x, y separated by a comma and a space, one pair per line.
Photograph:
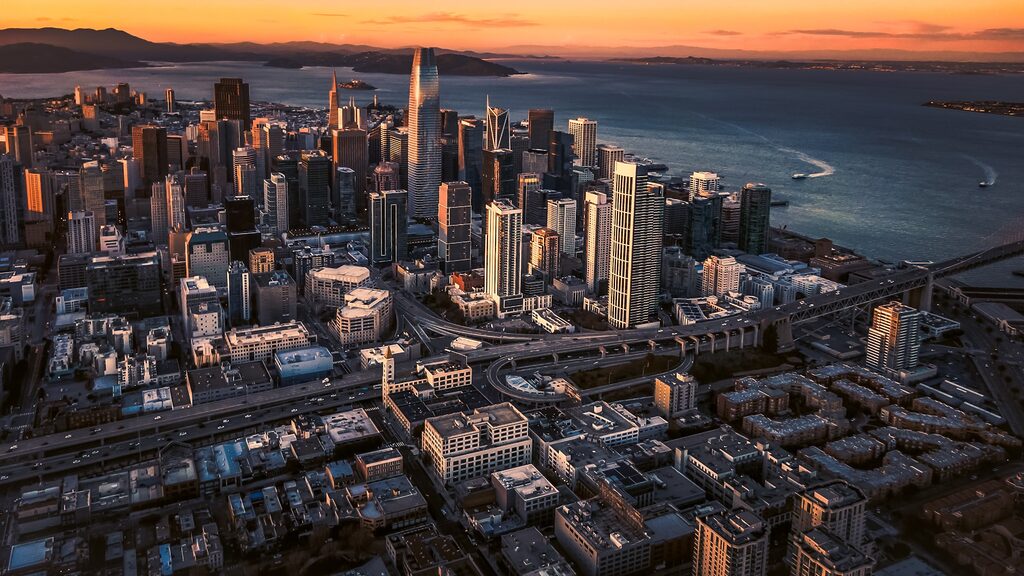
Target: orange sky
974, 25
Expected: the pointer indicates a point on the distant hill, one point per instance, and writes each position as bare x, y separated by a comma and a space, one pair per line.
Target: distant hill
393, 63
115, 44
33, 58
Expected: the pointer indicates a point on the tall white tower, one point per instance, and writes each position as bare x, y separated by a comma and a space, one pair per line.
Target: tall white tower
597, 228
635, 270
584, 132
503, 256
424, 135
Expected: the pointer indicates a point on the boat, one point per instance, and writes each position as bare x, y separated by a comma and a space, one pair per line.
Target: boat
983, 184
799, 176
779, 203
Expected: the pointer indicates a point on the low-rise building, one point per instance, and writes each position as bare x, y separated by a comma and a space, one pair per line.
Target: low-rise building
364, 318
468, 446
327, 287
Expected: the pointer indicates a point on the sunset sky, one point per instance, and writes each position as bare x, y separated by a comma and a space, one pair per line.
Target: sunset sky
976, 25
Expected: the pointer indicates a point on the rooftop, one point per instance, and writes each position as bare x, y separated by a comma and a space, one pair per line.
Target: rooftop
349, 426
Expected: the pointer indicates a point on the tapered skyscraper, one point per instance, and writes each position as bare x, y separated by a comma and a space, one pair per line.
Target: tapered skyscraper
333, 103
424, 134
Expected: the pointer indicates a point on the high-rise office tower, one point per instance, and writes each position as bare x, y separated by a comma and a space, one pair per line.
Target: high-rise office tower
169, 101
10, 188
731, 209
535, 161
635, 266
261, 260
149, 147
20, 144
177, 152
471, 140
351, 115
722, 274
454, 216
536, 211
315, 187
499, 132
503, 256
268, 140
520, 145
584, 133
245, 173
343, 194
755, 208
240, 216
498, 177
91, 192
174, 187
730, 544
542, 122
333, 103
560, 158
545, 253
398, 154
350, 151
275, 203
527, 182
894, 338
388, 226
81, 232
159, 215
674, 394
208, 254
703, 183
289, 166
239, 294
39, 197
704, 230
231, 101
385, 177
597, 229
197, 187
450, 123
607, 156
424, 134
562, 219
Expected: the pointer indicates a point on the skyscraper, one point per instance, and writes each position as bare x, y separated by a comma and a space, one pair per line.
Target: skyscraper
19, 142
545, 253
149, 147
542, 122
560, 157
499, 132
10, 187
315, 187
169, 101
597, 228
350, 151
503, 258
755, 207
343, 194
388, 226
498, 178
607, 156
386, 177
527, 183
454, 215
91, 191
674, 394
471, 141
39, 197
207, 254
562, 219
275, 203
231, 101
159, 216
239, 294
174, 187
894, 338
584, 133
722, 274
332, 103
424, 134
635, 265
81, 232
702, 183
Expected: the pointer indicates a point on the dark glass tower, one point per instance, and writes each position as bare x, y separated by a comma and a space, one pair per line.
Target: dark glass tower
231, 101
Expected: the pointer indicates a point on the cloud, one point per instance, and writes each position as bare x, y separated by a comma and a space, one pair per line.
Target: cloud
930, 32
329, 14
723, 33
62, 19
508, 20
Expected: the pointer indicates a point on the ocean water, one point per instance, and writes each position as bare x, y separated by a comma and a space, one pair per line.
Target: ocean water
890, 177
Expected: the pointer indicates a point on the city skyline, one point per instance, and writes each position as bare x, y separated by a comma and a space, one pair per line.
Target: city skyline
928, 26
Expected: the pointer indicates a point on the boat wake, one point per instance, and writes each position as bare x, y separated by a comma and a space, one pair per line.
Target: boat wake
990, 172
824, 168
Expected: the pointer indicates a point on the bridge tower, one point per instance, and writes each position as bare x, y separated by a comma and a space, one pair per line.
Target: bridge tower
921, 298
782, 329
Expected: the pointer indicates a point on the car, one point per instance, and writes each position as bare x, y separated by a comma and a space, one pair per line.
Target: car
226, 420
294, 410
158, 417
76, 461
221, 427
248, 415
37, 464
182, 433
4, 477
67, 436
95, 430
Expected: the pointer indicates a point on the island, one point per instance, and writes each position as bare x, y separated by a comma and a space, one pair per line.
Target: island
448, 64
839, 65
356, 85
982, 106
35, 58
